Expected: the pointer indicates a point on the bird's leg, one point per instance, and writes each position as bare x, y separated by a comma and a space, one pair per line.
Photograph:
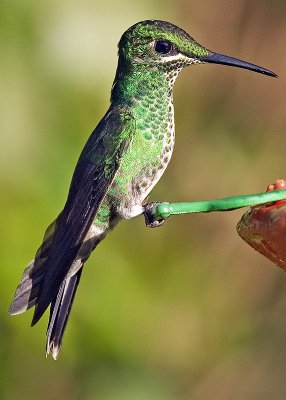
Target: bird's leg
152, 219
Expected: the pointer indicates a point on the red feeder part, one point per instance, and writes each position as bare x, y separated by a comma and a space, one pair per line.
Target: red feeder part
264, 228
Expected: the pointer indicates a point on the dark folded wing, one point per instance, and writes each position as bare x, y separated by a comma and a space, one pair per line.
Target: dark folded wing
93, 176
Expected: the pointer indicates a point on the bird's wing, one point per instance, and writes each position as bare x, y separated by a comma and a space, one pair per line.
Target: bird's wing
92, 178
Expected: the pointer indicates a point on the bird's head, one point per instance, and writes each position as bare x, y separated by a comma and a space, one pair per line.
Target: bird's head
164, 46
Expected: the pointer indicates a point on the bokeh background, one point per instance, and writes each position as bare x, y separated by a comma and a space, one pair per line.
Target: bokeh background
187, 311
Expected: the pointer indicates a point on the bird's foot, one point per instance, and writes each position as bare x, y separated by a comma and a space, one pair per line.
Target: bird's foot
152, 220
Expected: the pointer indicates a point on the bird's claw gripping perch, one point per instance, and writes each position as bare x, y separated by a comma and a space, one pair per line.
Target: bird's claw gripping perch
152, 219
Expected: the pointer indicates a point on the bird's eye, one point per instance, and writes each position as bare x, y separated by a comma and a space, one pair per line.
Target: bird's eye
163, 47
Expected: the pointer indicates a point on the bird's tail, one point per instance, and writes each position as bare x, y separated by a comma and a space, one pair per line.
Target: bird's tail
26, 297
29, 289
59, 314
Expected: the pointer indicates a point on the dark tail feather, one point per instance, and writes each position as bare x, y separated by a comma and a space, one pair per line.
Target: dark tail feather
59, 314
27, 292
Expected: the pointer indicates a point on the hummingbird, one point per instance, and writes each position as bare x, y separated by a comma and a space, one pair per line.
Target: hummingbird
121, 162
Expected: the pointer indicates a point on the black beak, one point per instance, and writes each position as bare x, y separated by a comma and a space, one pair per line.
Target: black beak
216, 58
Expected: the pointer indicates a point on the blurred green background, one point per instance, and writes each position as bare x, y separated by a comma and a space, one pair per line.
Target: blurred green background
187, 311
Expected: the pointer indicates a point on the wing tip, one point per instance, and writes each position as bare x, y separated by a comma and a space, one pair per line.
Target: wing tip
38, 313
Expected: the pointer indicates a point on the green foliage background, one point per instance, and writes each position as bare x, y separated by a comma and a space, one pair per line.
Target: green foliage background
187, 311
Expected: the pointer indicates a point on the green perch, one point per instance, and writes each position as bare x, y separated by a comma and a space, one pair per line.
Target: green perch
164, 210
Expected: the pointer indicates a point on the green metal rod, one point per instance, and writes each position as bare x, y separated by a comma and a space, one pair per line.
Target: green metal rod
164, 210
